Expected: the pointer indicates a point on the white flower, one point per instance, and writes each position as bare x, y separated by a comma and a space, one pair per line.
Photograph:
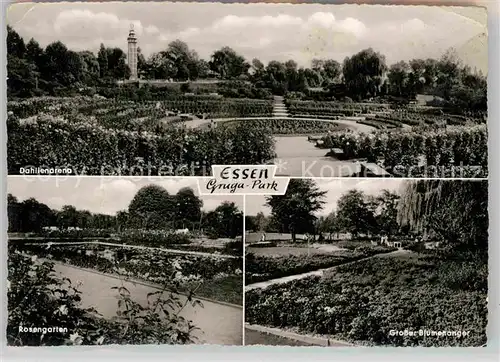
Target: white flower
31, 274
76, 338
100, 340
177, 265
34, 258
63, 309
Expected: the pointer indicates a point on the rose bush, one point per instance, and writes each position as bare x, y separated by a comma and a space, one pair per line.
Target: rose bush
155, 266
37, 297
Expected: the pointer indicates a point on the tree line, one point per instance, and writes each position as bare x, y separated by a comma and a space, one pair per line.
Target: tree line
451, 211
152, 208
357, 213
33, 70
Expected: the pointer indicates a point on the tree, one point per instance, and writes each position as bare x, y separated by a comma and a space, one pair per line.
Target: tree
178, 61
102, 58
295, 210
250, 224
203, 69
13, 213
22, 76
34, 216
228, 64
363, 73
387, 212
328, 70
67, 217
34, 53
329, 225
117, 64
354, 214
142, 66
261, 221
398, 76
187, 207
456, 211
151, 208
122, 220
15, 44
225, 221
91, 68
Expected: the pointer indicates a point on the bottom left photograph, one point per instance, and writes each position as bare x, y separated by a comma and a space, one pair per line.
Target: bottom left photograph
97, 261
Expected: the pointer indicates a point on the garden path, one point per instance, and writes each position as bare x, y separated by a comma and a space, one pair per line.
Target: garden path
319, 272
173, 251
218, 323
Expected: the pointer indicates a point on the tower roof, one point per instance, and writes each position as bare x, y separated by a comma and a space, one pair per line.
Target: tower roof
131, 33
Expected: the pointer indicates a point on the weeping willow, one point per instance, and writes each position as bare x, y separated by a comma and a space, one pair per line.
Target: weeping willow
455, 210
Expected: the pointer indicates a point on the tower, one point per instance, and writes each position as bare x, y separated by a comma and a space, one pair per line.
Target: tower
132, 53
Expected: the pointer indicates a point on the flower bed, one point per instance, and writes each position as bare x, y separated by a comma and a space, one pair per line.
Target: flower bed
379, 124
37, 297
362, 302
95, 150
333, 108
415, 118
183, 271
211, 107
452, 146
262, 268
288, 126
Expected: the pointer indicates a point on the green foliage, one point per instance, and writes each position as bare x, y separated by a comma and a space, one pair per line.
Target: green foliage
458, 146
176, 272
354, 214
295, 210
301, 108
288, 126
363, 74
262, 268
457, 212
38, 297
95, 150
226, 221
363, 301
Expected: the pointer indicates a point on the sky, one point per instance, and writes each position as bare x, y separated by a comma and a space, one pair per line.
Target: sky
335, 189
265, 31
105, 195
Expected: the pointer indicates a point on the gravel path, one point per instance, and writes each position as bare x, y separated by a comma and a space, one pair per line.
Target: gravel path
218, 323
319, 272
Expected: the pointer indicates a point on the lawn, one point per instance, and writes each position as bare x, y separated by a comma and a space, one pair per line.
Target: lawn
262, 267
292, 250
255, 237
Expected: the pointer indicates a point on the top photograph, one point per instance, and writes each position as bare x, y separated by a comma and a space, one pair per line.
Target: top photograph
170, 89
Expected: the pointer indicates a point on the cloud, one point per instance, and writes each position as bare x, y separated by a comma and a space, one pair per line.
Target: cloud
174, 185
109, 196
279, 31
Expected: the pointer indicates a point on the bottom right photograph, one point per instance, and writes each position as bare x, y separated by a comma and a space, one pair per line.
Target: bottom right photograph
374, 262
